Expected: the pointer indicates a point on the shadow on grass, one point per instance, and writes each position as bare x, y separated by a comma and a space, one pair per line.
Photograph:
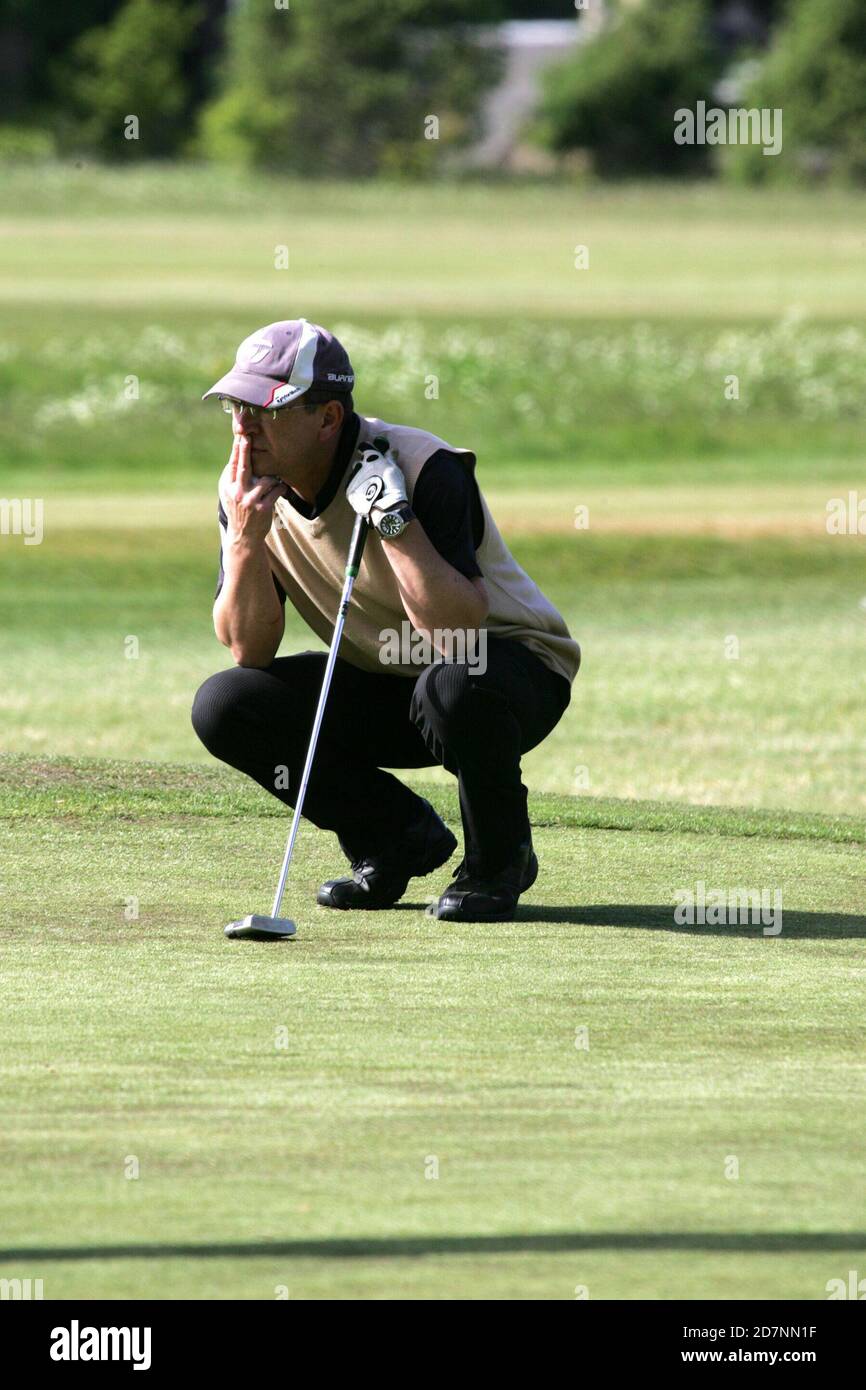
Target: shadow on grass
661, 917
821, 924
767, 1242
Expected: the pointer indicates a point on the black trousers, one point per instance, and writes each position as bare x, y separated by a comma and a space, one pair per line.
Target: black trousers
475, 724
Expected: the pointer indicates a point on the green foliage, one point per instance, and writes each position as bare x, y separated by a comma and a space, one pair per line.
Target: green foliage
24, 145
32, 38
344, 88
132, 66
816, 74
616, 96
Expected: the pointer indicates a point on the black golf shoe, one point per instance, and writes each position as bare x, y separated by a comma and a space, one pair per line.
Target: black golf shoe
476, 897
380, 880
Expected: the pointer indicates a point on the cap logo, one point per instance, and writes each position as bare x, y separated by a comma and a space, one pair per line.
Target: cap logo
285, 391
252, 351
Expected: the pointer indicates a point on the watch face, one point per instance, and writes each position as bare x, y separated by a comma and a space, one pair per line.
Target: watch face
391, 525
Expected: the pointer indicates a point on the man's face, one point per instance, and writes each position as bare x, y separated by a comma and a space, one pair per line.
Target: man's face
287, 441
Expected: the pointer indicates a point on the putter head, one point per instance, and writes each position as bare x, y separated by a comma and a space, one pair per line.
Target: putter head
259, 928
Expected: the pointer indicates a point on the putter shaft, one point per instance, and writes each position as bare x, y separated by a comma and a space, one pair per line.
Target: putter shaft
359, 537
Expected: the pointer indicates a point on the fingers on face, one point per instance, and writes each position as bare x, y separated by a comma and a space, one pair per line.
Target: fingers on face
270, 490
258, 494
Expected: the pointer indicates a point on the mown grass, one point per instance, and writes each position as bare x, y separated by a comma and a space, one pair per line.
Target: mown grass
289, 1108
707, 515
157, 273
714, 670
114, 788
76, 234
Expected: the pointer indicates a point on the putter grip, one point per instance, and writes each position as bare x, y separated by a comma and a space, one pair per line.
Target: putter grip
356, 549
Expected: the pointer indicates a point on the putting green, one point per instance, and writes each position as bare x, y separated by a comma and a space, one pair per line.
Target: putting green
586, 1098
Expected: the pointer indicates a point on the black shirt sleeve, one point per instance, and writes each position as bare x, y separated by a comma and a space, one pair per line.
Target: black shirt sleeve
224, 521
447, 504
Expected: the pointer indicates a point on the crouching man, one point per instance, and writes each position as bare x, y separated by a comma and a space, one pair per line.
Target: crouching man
451, 654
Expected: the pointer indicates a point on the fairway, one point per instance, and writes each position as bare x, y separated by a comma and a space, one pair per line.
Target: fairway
699, 251
592, 1099
715, 669
392, 1106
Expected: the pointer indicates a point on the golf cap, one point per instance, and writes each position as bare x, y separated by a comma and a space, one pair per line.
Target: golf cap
279, 363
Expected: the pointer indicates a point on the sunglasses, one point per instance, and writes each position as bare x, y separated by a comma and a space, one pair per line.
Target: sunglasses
254, 412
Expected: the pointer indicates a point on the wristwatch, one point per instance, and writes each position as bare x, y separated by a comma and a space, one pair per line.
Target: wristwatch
392, 524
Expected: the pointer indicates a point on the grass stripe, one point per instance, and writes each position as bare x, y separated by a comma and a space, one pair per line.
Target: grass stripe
107, 788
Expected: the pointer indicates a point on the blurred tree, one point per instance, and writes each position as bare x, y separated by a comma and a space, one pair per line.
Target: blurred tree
31, 36
533, 9
36, 42
615, 96
816, 75
346, 88
37, 39
130, 68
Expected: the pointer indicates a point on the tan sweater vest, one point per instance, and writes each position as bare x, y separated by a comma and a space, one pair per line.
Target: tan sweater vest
309, 559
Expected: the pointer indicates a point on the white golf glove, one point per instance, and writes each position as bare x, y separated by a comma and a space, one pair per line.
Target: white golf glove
376, 483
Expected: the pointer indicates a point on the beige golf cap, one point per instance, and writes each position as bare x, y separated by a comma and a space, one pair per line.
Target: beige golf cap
278, 363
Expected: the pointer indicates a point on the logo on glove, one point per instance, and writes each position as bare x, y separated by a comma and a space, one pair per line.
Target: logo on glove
374, 489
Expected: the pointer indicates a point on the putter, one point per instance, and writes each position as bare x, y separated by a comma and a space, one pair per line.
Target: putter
257, 927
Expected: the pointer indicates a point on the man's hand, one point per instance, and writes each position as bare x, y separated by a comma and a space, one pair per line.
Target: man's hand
248, 616
248, 502
376, 484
